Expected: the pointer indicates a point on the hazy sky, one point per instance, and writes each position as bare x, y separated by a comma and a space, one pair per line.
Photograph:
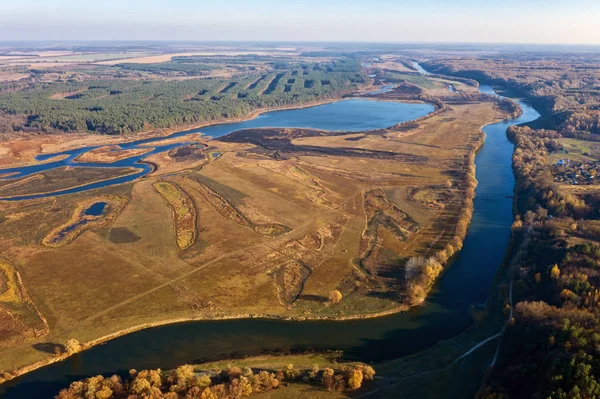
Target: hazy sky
509, 21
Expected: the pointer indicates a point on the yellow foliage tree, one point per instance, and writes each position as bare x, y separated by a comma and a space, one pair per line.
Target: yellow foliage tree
416, 294
182, 377
335, 296
368, 372
555, 272
72, 346
355, 379
432, 270
141, 386
567, 294
207, 394
202, 381
246, 386
289, 372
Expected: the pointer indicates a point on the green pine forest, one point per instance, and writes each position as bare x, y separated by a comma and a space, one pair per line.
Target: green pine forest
124, 106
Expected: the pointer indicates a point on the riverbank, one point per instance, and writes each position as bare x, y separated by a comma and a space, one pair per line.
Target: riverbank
43, 194
456, 367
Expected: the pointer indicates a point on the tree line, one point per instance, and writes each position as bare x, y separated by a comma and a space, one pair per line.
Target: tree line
191, 383
564, 87
551, 347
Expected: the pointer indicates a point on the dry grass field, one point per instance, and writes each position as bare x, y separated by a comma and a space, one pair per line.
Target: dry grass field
268, 228
152, 59
20, 320
110, 154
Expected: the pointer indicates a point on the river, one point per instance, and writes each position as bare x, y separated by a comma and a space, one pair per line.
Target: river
354, 114
445, 313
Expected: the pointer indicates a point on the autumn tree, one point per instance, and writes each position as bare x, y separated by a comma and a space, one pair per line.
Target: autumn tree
328, 379
355, 379
208, 394
335, 296
72, 346
555, 272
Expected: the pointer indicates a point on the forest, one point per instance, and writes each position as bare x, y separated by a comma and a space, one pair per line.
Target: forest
566, 87
552, 343
124, 106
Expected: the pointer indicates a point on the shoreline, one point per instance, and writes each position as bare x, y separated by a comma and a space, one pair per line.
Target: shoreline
167, 135
101, 340
166, 132
48, 194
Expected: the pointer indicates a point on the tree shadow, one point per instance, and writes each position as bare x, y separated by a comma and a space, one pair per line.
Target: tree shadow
49, 347
314, 298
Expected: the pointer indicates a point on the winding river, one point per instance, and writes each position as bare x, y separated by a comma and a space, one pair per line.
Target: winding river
444, 315
354, 114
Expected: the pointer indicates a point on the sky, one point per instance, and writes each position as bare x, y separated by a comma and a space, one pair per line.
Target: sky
499, 21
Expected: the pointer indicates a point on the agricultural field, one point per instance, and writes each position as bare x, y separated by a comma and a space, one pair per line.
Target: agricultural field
576, 150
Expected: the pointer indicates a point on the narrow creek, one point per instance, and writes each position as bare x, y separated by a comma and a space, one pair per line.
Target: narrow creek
444, 315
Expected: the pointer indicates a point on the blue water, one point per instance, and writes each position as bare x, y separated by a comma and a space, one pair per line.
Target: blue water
355, 114
420, 69
445, 314
384, 89
95, 210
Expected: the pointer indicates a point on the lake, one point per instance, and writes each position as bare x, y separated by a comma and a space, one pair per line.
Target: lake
355, 114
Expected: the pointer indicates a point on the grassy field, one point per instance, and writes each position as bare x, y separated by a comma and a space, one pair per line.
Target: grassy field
434, 85
19, 317
183, 211
577, 150
269, 228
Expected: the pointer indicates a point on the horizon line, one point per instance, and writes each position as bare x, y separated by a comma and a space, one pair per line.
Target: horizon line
250, 41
